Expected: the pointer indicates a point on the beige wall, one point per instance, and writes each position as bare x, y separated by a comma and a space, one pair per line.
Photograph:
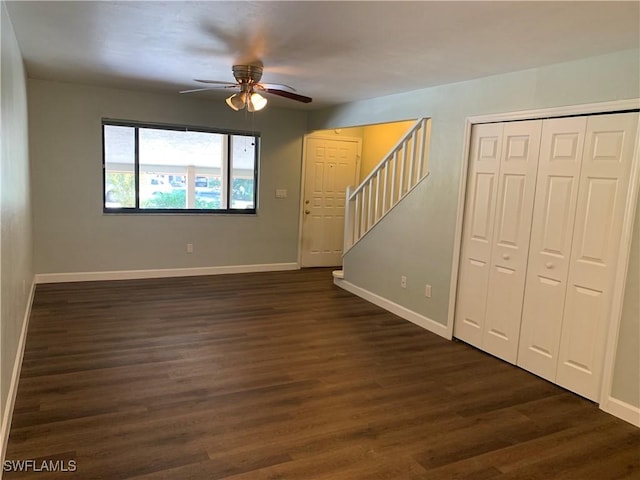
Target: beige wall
16, 273
71, 234
418, 241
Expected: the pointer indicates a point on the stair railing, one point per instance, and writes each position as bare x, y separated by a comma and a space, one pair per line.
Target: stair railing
390, 181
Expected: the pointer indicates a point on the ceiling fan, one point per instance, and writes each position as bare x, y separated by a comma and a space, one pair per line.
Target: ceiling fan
248, 81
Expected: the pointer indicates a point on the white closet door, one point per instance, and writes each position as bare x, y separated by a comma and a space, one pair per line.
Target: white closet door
551, 235
511, 233
602, 195
484, 163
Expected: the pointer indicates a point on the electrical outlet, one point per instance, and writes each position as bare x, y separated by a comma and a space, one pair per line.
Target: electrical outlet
403, 281
427, 290
189, 247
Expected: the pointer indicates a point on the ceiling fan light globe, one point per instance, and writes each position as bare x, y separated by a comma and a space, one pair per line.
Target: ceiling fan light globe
237, 101
256, 102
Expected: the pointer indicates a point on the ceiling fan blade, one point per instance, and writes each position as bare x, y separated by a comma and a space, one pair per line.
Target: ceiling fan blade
290, 95
215, 82
276, 86
207, 88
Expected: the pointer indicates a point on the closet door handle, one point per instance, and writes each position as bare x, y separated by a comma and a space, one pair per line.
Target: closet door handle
549, 265
506, 256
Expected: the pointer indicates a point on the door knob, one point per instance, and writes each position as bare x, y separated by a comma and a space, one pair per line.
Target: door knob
506, 256
307, 212
548, 265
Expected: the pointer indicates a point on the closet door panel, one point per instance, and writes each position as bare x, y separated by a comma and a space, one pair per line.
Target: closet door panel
551, 235
602, 195
510, 248
484, 163
594, 253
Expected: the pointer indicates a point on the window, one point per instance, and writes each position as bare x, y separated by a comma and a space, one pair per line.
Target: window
170, 169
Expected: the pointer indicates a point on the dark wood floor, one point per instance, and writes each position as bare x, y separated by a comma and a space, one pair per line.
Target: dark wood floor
276, 376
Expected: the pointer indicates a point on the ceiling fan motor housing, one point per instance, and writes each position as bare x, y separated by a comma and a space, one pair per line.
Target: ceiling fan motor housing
247, 73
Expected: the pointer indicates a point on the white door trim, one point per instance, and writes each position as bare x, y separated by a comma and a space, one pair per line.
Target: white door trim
303, 173
617, 296
570, 110
627, 226
457, 239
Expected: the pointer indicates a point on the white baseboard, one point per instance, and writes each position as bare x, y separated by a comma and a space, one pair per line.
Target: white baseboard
618, 408
394, 308
161, 273
15, 376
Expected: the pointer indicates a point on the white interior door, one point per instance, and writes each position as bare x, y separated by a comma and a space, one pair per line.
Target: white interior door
330, 166
602, 195
549, 252
511, 234
477, 231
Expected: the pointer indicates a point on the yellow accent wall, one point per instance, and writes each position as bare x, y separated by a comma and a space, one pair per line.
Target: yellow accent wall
377, 140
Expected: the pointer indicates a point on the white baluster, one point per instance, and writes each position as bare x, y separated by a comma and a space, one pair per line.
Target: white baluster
394, 161
356, 219
423, 145
363, 219
377, 199
369, 203
348, 220
403, 161
412, 161
385, 186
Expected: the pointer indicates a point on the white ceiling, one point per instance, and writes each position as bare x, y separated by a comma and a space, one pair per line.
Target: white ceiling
334, 52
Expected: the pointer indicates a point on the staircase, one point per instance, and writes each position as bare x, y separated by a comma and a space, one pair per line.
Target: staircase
390, 181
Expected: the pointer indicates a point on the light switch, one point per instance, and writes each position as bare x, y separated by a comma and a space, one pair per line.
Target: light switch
281, 193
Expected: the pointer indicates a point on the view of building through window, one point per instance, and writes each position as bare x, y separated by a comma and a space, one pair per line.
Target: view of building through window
178, 169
